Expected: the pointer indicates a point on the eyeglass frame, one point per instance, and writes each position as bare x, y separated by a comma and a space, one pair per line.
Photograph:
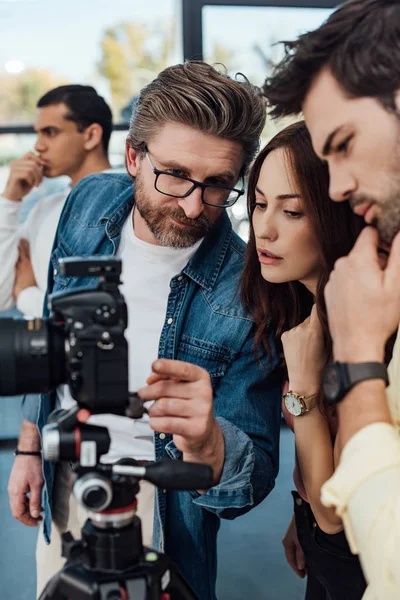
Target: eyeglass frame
196, 184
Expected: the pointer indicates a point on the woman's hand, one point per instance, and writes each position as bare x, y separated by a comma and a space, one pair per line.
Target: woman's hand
293, 552
304, 355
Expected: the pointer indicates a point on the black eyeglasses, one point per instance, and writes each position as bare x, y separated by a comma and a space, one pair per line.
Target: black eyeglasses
178, 186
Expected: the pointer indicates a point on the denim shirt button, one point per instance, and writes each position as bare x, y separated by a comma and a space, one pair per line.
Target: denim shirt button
55, 272
162, 436
180, 277
170, 321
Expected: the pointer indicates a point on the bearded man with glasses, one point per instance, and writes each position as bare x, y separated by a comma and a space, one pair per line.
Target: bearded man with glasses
193, 134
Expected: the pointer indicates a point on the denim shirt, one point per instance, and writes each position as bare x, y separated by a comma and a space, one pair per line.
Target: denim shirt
205, 324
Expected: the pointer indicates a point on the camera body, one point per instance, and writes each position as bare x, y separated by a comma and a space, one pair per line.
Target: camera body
82, 343
94, 323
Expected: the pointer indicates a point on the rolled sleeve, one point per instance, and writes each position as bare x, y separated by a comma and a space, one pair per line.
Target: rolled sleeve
30, 407
234, 490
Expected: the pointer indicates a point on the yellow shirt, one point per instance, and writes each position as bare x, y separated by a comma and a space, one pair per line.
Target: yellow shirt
365, 490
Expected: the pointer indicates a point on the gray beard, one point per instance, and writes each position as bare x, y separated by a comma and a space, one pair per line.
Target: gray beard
164, 230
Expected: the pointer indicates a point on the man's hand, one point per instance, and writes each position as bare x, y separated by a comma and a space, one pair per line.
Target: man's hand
25, 173
24, 275
293, 552
184, 407
304, 355
27, 478
363, 301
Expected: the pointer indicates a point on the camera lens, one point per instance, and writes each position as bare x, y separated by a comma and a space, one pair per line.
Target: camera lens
32, 356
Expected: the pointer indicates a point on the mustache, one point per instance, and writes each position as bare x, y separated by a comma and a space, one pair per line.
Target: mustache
177, 213
357, 199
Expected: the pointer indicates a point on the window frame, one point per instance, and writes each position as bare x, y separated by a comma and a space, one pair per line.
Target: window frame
192, 18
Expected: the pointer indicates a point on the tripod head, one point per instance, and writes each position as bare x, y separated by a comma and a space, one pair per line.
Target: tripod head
110, 562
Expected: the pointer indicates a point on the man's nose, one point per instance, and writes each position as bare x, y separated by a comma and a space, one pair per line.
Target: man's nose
341, 184
40, 146
192, 204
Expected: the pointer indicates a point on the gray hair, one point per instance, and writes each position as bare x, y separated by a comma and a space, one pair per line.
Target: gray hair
197, 95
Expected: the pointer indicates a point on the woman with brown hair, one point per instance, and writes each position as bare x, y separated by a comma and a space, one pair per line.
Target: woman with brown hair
296, 235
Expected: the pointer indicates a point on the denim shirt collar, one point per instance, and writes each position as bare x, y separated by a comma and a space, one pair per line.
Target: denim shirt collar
204, 267
117, 218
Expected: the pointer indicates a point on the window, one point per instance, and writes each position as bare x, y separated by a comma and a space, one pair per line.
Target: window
117, 46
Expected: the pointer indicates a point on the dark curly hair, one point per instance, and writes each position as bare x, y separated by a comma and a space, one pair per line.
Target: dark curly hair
359, 43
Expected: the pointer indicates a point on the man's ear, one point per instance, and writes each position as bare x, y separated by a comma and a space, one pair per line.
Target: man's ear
93, 135
132, 160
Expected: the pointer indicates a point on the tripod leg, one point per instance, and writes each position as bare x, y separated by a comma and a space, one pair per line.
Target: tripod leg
52, 590
113, 591
137, 589
178, 587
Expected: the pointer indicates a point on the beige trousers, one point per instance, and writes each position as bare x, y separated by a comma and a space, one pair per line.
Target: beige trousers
68, 515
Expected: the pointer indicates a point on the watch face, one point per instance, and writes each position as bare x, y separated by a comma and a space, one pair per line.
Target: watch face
293, 405
331, 382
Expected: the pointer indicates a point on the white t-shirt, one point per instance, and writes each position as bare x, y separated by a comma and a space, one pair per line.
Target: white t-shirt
147, 271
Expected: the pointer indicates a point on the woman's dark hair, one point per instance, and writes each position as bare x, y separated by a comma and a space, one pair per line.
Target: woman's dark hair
278, 307
85, 107
359, 43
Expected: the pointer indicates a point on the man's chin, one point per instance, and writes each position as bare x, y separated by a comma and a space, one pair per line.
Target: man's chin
173, 240
50, 173
388, 227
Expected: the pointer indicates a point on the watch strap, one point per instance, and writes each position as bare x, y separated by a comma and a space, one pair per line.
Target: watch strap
358, 372
309, 401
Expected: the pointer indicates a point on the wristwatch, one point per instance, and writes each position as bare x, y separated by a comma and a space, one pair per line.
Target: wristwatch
339, 378
297, 405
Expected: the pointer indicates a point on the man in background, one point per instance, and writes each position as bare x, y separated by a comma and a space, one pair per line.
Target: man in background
73, 128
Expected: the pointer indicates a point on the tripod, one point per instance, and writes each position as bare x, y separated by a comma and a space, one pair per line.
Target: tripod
110, 561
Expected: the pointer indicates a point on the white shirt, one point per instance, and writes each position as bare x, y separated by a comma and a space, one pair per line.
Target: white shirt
39, 229
147, 271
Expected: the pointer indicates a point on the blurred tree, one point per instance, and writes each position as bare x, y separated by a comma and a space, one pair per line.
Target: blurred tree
132, 54
20, 93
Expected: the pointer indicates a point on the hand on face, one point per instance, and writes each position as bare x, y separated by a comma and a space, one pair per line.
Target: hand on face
363, 301
24, 275
25, 173
304, 355
183, 406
